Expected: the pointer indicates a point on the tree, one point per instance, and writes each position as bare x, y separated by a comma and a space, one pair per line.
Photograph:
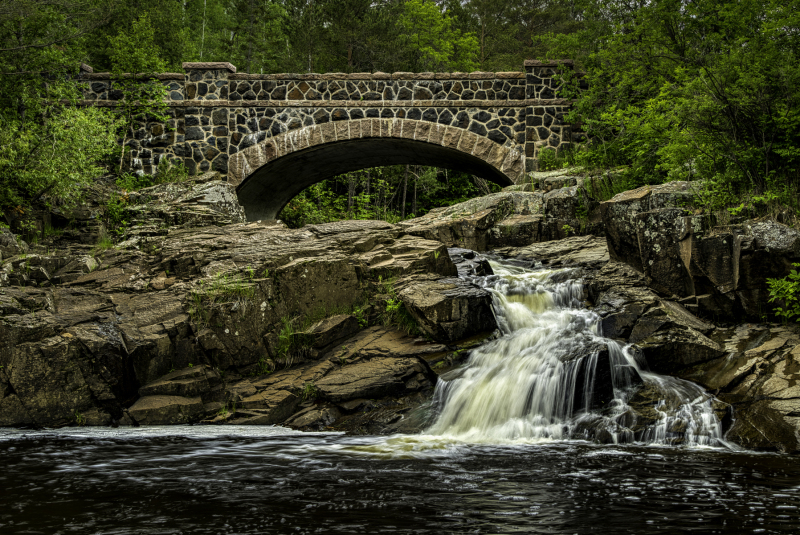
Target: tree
135, 62
432, 40
55, 158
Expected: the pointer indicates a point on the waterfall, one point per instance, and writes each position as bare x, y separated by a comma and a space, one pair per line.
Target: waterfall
552, 375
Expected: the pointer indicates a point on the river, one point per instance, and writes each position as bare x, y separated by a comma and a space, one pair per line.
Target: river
522, 439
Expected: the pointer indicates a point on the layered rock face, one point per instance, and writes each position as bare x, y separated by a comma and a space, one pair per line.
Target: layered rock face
718, 271
561, 207
207, 323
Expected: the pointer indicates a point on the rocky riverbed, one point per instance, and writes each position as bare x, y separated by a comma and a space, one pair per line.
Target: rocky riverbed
199, 316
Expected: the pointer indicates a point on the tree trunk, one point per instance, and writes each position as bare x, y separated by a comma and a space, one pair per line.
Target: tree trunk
250, 45
405, 185
414, 202
351, 187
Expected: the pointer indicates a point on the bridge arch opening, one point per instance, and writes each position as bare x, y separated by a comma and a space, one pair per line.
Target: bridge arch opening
270, 173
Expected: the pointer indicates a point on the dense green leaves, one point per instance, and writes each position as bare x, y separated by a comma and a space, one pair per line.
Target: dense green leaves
54, 158
708, 89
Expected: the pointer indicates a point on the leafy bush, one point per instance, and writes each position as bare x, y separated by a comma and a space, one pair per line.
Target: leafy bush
55, 158
787, 292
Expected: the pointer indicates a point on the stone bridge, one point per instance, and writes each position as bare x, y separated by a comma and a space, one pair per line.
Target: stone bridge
273, 135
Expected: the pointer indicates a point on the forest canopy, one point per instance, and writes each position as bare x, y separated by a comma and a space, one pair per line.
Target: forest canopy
701, 90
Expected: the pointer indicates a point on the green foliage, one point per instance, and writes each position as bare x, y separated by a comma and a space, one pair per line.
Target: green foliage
395, 313
310, 391
377, 193
135, 60
55, 158
435, 43
167, 173
707, 90
787, 292
115, 214
548, 160
103, 244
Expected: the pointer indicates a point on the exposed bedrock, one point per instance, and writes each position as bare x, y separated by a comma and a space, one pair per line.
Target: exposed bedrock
718, 271
515, 217
243, 322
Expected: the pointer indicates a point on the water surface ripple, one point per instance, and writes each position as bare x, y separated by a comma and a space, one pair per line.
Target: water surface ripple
212, 480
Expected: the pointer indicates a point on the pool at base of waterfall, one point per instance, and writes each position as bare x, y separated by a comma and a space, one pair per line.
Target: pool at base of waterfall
251, 480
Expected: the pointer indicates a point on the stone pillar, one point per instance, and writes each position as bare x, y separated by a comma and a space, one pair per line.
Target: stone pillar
544, 122
205, 126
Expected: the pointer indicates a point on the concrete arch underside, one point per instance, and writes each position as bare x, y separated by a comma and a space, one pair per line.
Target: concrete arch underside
270, 173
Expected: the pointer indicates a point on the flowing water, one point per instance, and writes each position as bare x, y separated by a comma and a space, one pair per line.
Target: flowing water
514, 447
552, 375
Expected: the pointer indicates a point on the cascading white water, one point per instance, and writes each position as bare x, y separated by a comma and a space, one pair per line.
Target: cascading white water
552, 375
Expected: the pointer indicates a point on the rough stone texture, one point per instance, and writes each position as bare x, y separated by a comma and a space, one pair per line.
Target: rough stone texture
330, 330
10, 245
719, 272
450, 309
508, 219
203, 201
215, 113
165, 410
202, 301
577, 250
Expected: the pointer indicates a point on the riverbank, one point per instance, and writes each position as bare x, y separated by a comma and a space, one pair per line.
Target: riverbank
347, 325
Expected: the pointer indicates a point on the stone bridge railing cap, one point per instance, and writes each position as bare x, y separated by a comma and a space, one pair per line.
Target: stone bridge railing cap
210, 65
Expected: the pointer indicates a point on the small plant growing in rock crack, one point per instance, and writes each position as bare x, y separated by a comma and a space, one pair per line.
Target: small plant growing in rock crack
787, 292
80, 419
360, 316
221, 289
310, 391
436, 255
251, 273
567, 230
264, 366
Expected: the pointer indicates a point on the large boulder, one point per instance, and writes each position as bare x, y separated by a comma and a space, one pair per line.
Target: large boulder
513, 217
449, 309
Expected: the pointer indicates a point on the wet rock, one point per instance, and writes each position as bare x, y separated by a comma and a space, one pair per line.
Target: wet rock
758, 375
315, 418
576, 250
448, 310
668, 351
469, 263
377, 378
166, 410
328, 331
189, 382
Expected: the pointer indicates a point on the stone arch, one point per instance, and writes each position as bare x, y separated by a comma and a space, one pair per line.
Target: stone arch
268, 174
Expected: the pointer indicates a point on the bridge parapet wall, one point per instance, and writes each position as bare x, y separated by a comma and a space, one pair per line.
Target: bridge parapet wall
216, 112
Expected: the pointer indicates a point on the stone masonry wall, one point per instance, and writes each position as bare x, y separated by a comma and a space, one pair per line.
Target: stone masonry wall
216, 112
